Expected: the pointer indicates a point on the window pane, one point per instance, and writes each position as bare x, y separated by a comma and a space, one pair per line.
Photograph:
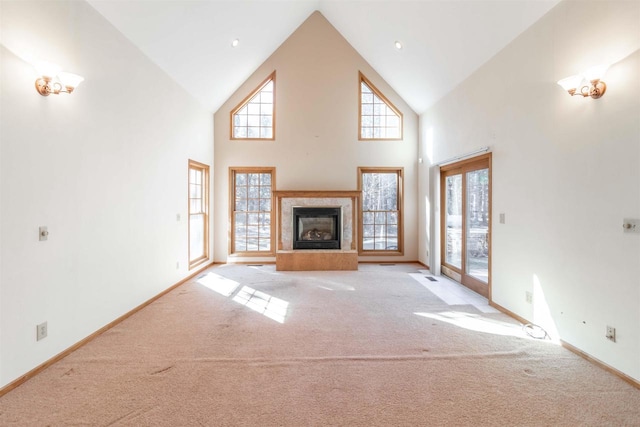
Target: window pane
198, 213
453, 220
254, 119
252, 232
241, 179
266, 132
264, 245
194, 190
252, 218
266, 97
378, 119
240, 219
380, 214
368, 230
241, 192
392, 217
265, 192
367, 217
254, 109
477, 224
196, 236
240, 245
256, 223
265, 122
254, 205
241, 205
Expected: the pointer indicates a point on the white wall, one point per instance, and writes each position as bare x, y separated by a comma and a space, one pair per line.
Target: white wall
105, 168
316, 146
566, 171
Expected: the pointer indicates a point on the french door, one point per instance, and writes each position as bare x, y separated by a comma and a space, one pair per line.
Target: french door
465, 233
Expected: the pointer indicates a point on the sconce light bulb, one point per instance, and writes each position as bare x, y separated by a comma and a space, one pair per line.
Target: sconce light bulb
596, 72
70, 79
47, 69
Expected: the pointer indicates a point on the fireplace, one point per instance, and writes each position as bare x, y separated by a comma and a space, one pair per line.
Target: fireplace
316, 227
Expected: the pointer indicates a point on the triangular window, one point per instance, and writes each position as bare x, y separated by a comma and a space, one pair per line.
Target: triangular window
379, 118
254, 117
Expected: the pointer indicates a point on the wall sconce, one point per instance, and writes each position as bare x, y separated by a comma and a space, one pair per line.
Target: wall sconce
588, 82
54, 80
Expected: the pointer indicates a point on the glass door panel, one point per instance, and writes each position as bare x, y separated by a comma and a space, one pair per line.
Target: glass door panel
465, 228
477, 225
453, 220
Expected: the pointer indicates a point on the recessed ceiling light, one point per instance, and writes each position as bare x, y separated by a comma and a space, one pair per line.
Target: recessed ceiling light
398, 45
235, 43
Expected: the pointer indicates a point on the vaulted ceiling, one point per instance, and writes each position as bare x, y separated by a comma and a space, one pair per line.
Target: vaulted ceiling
443, 41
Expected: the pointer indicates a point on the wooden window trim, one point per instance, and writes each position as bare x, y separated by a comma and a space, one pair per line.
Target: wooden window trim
376, 91
232, 200
400, 250
205, 203
271, 77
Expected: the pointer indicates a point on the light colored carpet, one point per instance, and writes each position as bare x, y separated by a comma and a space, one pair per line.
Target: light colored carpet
250, 346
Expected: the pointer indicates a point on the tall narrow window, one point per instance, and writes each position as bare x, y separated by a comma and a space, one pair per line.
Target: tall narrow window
198, 213
381, 210
252, 210
254, 118
379, 118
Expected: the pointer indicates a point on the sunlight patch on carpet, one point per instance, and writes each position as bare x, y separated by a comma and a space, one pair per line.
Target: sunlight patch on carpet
477, 323
219, 284
263, 303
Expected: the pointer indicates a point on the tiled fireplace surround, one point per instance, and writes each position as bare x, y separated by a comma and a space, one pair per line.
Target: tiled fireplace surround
345, 258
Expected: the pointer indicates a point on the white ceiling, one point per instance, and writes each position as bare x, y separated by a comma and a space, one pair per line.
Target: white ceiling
444, 41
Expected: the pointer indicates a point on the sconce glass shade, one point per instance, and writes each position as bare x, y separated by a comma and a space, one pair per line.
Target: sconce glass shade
70, 80
573, 82
47, 69
596, 72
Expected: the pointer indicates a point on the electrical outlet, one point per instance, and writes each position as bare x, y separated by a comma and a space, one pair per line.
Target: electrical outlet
502, 219
611, 333
529, 297
178, 265
41, 331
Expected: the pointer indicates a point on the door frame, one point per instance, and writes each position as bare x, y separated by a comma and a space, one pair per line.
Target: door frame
459, 274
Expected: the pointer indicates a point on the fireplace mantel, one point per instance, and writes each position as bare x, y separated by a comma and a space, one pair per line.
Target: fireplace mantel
345, 258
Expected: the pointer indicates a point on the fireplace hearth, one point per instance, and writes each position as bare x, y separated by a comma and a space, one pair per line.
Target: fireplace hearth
316, 227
